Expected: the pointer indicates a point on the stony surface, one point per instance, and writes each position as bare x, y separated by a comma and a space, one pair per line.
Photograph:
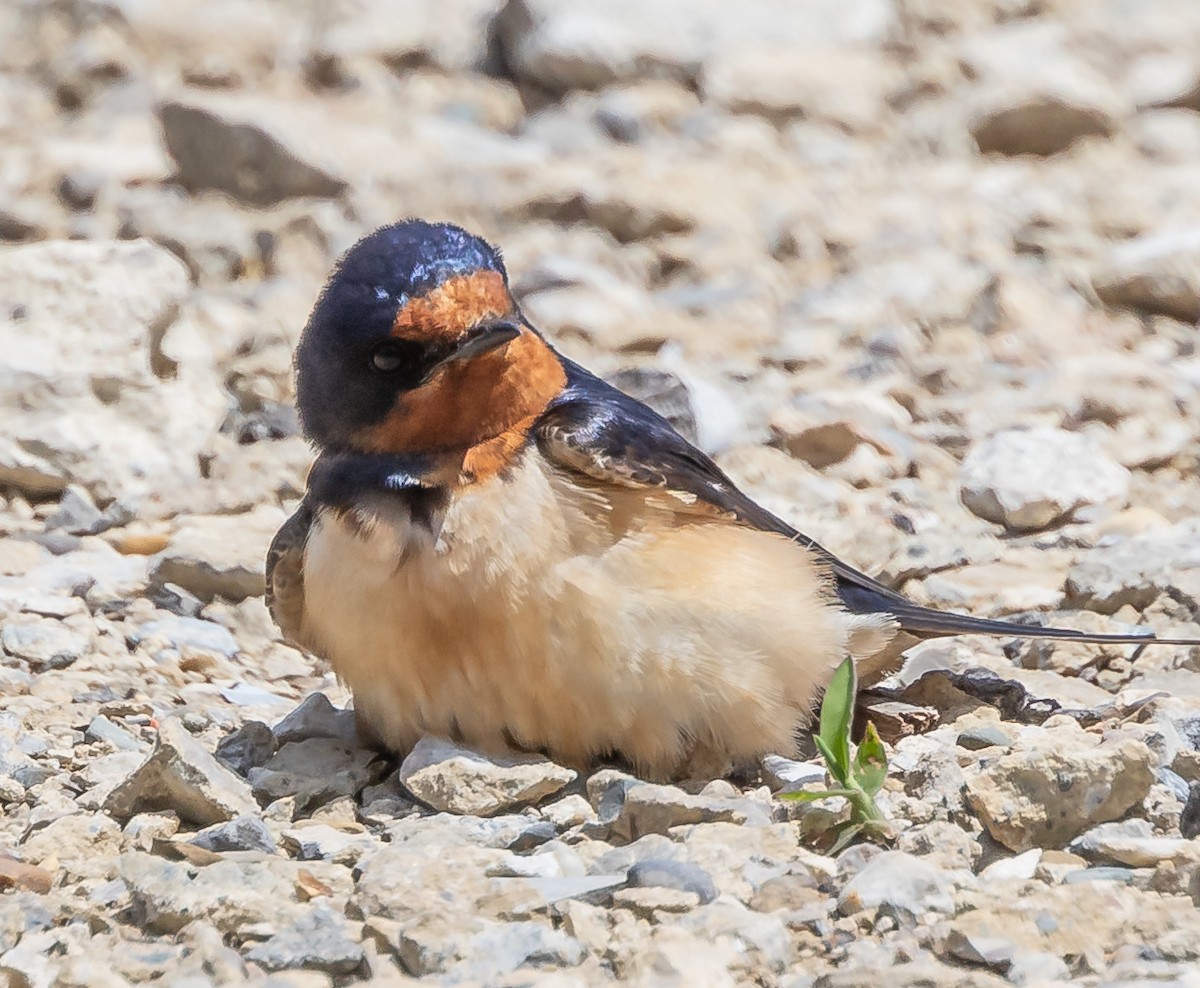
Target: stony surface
922, 276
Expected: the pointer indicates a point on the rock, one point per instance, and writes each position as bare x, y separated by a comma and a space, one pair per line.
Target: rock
993, 952
1135, 570
1157, 274
901, 882
316, 717
82, 842
1189, 819
19, 875
44, 645
220, 555
77, 513
978, 738
573, 45
845, 87
242, 833
318, 941
1020, 868
570, 811
233, 146
188, 636
788, 775
664, 392
250, 746
228, 894
315, 771
1034, 94
317, 842
455, 779
101, 729
84, 404
668, 874
1047, 797
180, 775
648, 903
1132, 843
1034, 478
655, 809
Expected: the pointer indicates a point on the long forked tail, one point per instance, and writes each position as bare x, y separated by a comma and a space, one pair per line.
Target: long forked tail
862, 595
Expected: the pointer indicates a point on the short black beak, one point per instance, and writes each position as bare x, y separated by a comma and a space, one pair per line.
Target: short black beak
484, 339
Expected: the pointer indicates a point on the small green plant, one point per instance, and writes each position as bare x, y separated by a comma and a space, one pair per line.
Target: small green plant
857, 777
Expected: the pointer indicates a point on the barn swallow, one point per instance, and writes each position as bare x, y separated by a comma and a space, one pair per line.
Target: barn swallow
499, 547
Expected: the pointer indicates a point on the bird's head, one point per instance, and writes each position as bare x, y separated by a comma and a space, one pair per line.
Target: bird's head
416, 346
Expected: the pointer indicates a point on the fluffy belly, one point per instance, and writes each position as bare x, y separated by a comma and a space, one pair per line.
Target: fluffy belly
664, 644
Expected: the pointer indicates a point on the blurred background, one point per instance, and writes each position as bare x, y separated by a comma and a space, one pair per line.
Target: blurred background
847, 245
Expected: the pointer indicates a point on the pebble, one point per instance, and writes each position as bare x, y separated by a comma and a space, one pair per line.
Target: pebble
671, 874
1033, 478
315, 771
45, 645
181, 775
979, 738
1047, 797
242, 833
899, 881
455, 779
318, 941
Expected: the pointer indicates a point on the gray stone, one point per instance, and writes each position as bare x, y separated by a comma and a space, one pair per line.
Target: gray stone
103, 729
671, 874
77, 513
242, 833
315, 771
1157, 274
993, 952
1048, 796
231, 146
318, 842
1028, 479
455, 779
44, 645
978, 738
899, 881
316, 717
220, 555
318, 941
180, 775
250, 746
186, 635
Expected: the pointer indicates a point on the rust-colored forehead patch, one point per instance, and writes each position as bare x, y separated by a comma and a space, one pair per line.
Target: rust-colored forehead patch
445, 313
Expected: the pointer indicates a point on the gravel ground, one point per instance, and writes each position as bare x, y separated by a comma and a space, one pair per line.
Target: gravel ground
924, 275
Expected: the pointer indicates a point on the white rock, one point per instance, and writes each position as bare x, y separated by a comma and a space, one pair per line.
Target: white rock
1031, 478
455, 779
1158, 274
569, 44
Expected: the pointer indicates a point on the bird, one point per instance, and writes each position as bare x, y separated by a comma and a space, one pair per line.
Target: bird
498, 547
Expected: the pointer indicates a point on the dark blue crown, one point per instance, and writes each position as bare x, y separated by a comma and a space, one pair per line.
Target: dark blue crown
398, 262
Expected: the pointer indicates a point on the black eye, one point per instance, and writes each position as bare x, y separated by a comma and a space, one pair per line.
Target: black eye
389, 358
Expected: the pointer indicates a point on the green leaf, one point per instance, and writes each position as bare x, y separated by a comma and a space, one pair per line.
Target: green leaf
837, 711
845, 834
841, 777
870, 762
